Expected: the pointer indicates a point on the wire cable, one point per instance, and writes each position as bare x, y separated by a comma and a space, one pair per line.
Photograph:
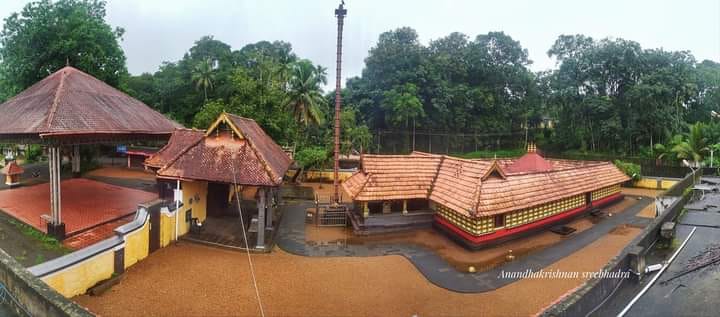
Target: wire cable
247, 245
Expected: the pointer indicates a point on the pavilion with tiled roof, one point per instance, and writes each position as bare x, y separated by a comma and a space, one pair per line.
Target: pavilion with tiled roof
206, 165
481, 200
70, 108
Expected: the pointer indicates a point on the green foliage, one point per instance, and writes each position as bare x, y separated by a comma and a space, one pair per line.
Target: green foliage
208, 114
632, 170
311, 157
48, 242
305, 98
492, 154
46, 35
203, 75
33, 153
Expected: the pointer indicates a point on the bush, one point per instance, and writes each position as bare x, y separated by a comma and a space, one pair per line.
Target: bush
33, 153
311, 157
632, 170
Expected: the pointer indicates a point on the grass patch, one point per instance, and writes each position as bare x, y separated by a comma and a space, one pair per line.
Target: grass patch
491, 154
48, 242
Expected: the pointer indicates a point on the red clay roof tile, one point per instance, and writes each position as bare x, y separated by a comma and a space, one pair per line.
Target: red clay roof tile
458, 183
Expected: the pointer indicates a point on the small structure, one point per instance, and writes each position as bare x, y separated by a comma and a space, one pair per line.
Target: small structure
12, 172
234, 161
70, 108
476, 202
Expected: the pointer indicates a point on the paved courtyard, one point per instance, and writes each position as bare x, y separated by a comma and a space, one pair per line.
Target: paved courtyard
85, 203
194, 280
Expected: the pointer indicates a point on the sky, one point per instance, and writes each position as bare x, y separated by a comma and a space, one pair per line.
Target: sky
163, 30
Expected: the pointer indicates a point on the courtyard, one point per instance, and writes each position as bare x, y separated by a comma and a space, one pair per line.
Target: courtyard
320, 285
194, 280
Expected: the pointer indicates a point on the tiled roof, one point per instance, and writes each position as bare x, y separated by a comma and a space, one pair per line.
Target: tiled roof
12, 168
271, 153
70, 102
254, 159
470, 187
180, 140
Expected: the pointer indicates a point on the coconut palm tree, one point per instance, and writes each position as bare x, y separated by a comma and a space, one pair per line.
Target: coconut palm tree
693, 146
305, 98
203, 76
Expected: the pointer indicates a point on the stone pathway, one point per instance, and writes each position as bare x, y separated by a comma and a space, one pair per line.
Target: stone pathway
291, 238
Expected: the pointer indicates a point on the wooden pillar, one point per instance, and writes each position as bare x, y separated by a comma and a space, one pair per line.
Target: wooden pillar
55, 228
261, 219
76, 161
405, 211
365, 209
386, 207
270, 209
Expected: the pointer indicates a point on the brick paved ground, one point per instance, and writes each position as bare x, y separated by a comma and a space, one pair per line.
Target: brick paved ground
96, 234
85, 203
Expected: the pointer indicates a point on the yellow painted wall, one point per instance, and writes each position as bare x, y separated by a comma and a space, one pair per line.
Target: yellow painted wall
167, 229
652, 183
321, 175
666, 184
77, 279
137, 245
192, 190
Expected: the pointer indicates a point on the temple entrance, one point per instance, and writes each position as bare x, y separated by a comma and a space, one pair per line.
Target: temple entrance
217, 201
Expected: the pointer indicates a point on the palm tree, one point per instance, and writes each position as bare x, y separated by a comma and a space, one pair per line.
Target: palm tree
305, 98
693, 146
204, 75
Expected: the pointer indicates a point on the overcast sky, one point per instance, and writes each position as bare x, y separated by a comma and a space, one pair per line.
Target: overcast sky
163, 30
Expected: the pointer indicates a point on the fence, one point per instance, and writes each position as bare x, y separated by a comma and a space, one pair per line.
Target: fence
398, 142
588, 297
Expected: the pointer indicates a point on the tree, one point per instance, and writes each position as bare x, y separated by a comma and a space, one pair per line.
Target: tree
402, 105
694, 145
46, 35
305, 98
203, 76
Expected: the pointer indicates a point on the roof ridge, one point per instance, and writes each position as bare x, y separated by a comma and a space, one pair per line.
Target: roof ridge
367, 179
434, 180
179, 154
257, 152
53, 106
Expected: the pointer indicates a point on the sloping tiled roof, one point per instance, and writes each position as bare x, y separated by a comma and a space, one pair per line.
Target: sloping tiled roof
71, 102
12, 168
530, 162
180, 140
467, 187
252, 159
270, 152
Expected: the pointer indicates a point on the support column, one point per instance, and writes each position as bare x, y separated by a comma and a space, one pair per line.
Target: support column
76, 161
270, 209
261, 219
405, 211
365, 209
386, 207
55, 228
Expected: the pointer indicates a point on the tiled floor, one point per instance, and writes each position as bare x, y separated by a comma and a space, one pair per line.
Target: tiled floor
85, 203
96, 234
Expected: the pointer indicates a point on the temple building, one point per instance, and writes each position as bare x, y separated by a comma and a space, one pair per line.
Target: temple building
477, 202
233, 160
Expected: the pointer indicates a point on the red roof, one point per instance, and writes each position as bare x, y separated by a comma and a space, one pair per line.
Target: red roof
470, 187
71, 102
530, 162
180, 140
12, 168
253, 158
